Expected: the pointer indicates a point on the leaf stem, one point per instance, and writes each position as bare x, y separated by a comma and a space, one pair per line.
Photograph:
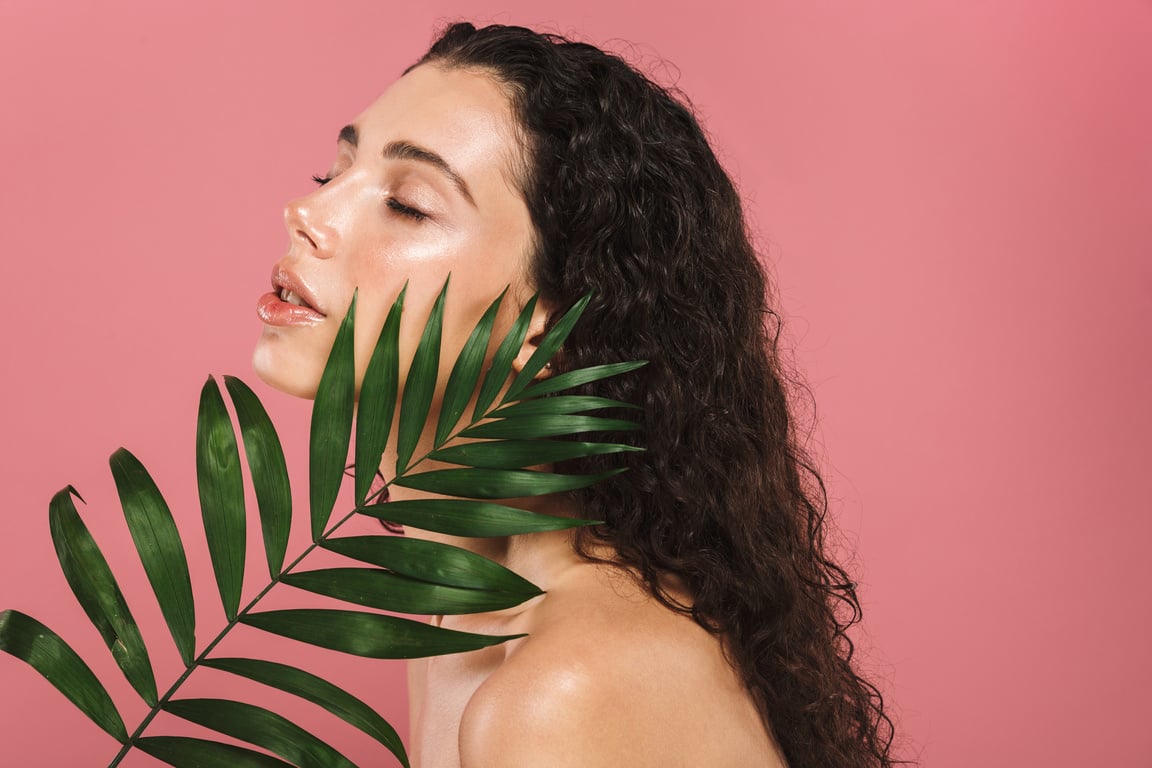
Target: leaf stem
127, 746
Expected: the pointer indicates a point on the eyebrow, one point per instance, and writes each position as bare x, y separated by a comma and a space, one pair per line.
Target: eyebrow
406, 150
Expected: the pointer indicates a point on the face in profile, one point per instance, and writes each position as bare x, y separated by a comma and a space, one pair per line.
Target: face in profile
423, 185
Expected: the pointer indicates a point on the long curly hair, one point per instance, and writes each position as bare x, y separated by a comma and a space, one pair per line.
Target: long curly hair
629, 202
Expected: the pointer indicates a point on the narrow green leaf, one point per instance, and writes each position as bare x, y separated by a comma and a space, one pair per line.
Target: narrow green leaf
269, 471
33, 643
373, 635
498, 483
188, 752
558, 405
332, 425
318, 691
420, 386
96, 589
501, 367
513, 454
261, 727
378, 399
431, 561
570, 379
547, 348
221, 485
457, 517
376, 588
466, 372
530, 427
158, 544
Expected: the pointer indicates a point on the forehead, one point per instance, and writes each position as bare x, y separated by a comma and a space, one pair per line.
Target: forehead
461, 115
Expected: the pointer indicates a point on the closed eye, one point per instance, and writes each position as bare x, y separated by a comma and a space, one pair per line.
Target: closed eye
406, 210
321, 180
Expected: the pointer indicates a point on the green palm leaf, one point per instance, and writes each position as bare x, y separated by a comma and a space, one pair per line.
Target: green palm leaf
459, 517
578, 377
95, 587
376, 588
332, 425
221, 486
369, 634
187, 752
513, 454
420, 387
158, 544
498, 483
546, 349
261, 727
502, 361
546, 425
410, 575
378, 400
558, 405
318, 691
462, 381
33, 643
432, 561
268, 469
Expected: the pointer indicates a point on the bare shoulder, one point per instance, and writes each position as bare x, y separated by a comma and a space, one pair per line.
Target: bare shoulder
607, 677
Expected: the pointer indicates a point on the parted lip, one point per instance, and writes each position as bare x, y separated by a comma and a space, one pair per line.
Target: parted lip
285, 278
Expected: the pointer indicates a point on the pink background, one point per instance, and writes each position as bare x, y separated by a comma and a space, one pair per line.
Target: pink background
955, 196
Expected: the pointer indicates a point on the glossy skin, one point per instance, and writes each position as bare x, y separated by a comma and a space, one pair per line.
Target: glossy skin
382, 221
607, 676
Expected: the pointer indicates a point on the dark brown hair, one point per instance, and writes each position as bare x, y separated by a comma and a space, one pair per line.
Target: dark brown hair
629, 202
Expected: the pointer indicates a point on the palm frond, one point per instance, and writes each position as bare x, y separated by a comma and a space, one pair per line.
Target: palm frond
161, 551
462, 381
513, 454
268, 469
517, 421
433, 562
420, 386
373, 635
476, 519
221, 485
318, 691
262, 727
547, 348
95, 587
42, 649
501, 367
188, 752
378, 400
332, 425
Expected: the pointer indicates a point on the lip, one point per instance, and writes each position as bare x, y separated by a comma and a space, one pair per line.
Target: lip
273, 311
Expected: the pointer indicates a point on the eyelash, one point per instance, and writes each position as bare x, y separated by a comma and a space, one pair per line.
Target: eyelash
406, 210
394, 204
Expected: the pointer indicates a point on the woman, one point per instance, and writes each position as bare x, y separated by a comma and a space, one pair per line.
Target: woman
702, 623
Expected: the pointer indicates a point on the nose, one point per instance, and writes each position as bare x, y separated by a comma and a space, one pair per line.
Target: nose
308, 227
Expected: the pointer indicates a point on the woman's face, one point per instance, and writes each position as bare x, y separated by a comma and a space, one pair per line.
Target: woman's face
423, 185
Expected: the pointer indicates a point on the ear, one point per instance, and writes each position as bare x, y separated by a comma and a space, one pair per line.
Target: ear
537, 329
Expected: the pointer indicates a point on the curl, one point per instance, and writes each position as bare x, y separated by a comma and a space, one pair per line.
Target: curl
629, 201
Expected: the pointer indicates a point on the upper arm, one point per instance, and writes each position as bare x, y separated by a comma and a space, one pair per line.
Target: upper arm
616, 685
563, 718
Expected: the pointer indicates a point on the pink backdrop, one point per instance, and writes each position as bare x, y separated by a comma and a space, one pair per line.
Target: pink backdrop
956, 198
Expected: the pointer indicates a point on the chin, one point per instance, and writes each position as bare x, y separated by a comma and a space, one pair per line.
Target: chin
288, 376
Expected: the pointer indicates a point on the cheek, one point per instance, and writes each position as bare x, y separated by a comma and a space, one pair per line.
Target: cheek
482, 261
